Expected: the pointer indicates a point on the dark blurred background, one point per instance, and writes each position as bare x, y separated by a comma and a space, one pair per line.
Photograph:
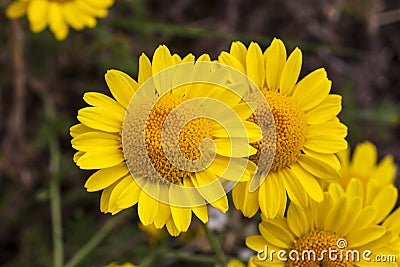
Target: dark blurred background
42, 82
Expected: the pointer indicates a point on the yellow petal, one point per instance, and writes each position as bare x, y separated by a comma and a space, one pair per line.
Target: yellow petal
17, 9
309, 183
364, 159
275, 61
104, 102
297, 220
230, 60
351, 214
91, 10
122, 87
100, 159
252, 131
181, 215
38, 15
326, 110
209, 187
277, 235
355, 188
162, 59
384, 202
290, 72
312, 89
318, 168
244, 200
172, 230
96, 118
129, 196
239, 51
100, 4
144, 69
270, 194
329, 159
105, 198
255, 66
78, 155
232, 169
335, 219
96, 141
56, 21
105, 177
115, 194
294, 189
79, 128
71, 16
148, 205
364, 236
365, 218
201, 212
256, 242
238, 148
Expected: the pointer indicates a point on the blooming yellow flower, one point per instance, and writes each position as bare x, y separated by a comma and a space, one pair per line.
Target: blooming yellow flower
364, 177
308, 132
307, 234
59, 14
392, 224
114, 264
237, 263
131, 141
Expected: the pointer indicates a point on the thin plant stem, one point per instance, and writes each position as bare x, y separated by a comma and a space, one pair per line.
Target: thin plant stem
55, 192
55, 203
215, 245
94, 241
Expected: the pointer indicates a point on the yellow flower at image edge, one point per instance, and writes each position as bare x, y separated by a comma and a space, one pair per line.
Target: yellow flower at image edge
105, 140
59, 15
114, 264
364, 177
308, 132
340, 225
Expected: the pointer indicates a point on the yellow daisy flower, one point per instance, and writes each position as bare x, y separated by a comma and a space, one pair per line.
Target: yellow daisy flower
364, 177
308, 132
152, 143
115, 264
238, 263
392, 224
334, 232
59, 14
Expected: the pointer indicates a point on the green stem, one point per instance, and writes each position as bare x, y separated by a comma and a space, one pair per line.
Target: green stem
55, 202
94, 241
216, 246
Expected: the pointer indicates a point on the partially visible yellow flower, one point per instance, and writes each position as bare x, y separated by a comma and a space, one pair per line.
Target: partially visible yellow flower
236, 263
154, 234
364, 177
392, 224
59, 15
115, 264
307, 234
364, 165
308, 131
